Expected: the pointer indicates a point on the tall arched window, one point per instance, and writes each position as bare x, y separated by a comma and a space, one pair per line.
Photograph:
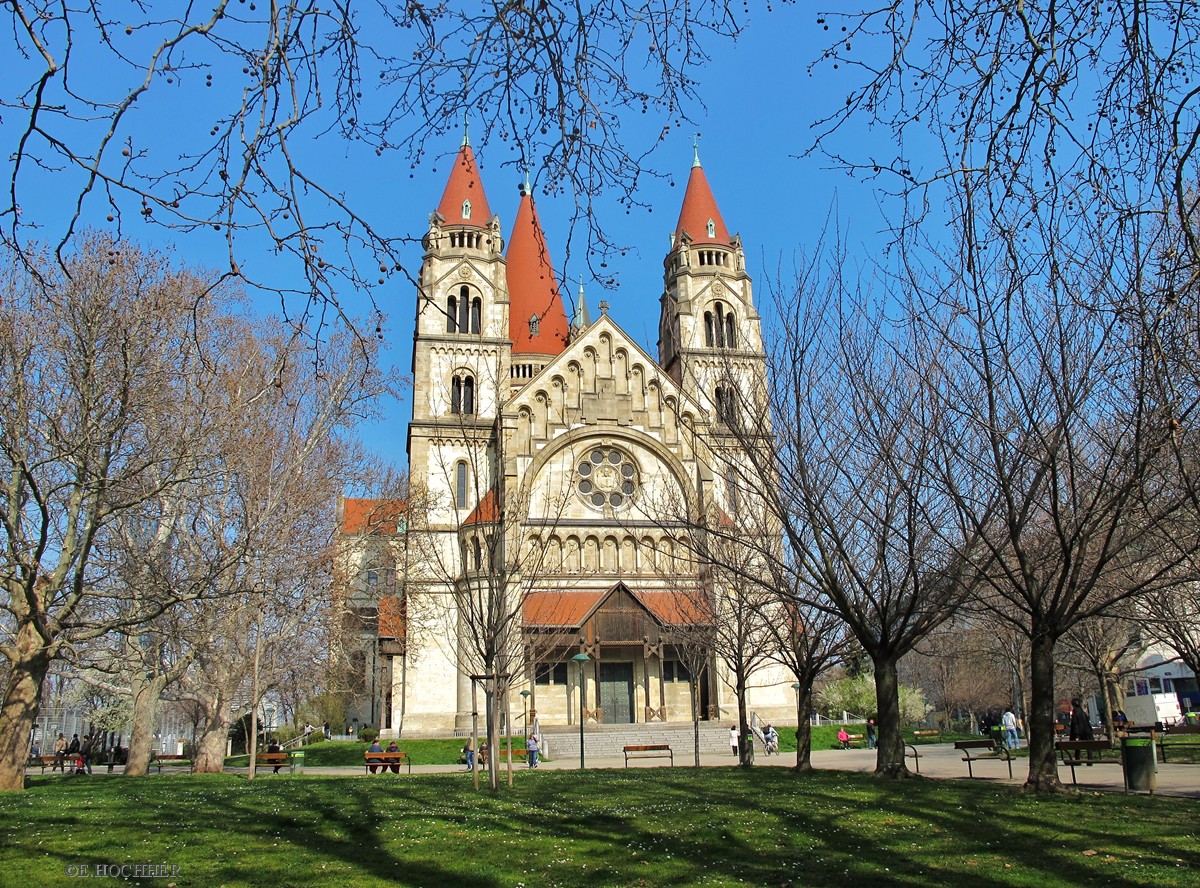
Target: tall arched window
476, 311
462, 395
464, 310
719, 327
478, 552
451, 314
726, 405
460, 485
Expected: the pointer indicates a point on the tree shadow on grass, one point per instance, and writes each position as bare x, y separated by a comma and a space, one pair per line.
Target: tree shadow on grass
865, 827
668, 827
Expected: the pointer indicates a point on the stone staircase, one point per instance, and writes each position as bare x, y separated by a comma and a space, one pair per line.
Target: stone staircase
609, 740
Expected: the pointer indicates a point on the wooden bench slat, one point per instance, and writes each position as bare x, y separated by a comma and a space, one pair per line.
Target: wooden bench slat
385, 760
1070, 752
653, 750
994, 751
522, 754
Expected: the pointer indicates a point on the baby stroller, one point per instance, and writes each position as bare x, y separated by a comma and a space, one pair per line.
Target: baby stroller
80, 766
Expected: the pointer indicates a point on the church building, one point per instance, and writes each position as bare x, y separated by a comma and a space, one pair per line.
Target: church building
560, 478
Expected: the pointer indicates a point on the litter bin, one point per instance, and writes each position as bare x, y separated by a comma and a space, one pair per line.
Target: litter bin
1139, 762
298, 761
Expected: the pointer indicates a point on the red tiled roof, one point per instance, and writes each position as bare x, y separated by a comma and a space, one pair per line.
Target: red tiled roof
559, 608
465, 184
393, 622
675, 608
371, 515
699, 206
533, 288
487, 512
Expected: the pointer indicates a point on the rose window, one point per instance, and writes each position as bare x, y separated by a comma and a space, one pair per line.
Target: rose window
606, 477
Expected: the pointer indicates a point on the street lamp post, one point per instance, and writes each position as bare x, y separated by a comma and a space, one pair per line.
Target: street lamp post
581, 659
525, 711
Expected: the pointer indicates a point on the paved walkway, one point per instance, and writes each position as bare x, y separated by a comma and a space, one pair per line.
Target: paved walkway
941, 761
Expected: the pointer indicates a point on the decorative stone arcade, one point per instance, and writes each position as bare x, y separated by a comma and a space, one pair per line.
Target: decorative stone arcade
636, 670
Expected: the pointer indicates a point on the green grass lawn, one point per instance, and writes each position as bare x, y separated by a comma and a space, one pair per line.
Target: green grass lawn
677, 827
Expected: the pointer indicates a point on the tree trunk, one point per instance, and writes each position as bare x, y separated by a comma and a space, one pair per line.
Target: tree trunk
746, 741
489, 705
22, 698
1112, 700
803, 727
1043, 766
696, 720
889, 756
141, 731
210, 751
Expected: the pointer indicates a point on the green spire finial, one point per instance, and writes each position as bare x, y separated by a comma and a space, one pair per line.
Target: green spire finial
696, 151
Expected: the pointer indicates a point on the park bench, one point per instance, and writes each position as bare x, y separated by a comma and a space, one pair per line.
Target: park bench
991, 750
44, 761
157, 759
386, 760
910, 750
659, 750
517, 754
1192, 732
1072, 754
274, 760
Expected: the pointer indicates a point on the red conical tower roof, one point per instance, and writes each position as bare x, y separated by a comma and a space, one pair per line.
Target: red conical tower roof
533, 288
699, 208
465, 189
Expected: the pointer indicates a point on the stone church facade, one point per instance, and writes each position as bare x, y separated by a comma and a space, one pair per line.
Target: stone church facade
559, 477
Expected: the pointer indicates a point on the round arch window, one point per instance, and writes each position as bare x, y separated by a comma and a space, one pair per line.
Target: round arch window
606, 477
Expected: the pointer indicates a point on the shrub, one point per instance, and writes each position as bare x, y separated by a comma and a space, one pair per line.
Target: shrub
368, 735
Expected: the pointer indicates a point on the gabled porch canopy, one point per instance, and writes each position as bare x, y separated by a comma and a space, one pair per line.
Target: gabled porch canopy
614, 627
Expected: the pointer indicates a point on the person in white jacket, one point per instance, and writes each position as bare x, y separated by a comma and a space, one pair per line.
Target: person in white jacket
1009, 722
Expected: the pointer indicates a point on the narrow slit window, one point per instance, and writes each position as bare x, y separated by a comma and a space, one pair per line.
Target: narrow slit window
460, 485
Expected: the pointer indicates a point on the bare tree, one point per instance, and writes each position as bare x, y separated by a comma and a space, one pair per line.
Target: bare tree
88, 88
1106, 649
693, 640
809, 641
92, 357
858, 415
743, 605
1173, 617
963, 669
1043, 114
284, 458
1058, 460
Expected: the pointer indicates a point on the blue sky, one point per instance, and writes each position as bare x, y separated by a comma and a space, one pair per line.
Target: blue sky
760, 107
760, 102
